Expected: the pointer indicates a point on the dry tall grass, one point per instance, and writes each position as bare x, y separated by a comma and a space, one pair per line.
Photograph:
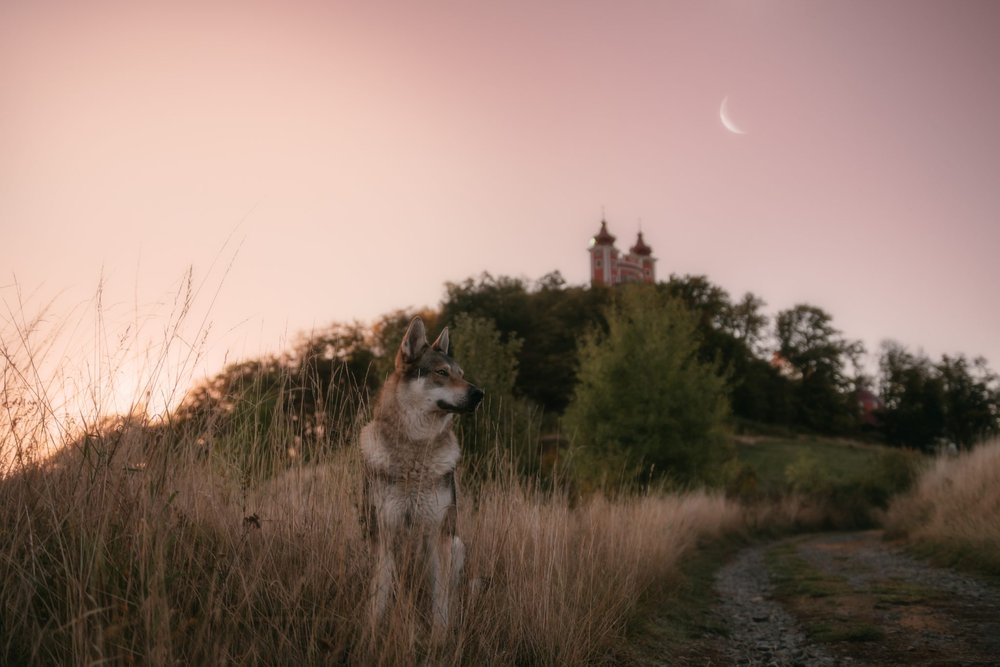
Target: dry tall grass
954, 510
130, 549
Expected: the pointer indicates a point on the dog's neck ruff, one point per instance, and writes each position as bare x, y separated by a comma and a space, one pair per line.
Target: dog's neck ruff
415, 431
389, 454
412, 422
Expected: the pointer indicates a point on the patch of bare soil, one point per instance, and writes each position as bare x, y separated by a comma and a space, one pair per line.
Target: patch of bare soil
852, 598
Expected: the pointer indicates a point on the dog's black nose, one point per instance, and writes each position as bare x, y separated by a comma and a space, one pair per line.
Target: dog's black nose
475, 396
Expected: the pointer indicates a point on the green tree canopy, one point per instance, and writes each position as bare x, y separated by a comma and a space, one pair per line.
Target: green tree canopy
644, 399
971, 400
912, 398
732, 335
924, 403
819, 354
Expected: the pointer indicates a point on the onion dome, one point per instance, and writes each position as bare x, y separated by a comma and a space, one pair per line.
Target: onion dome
603, 237
640, 248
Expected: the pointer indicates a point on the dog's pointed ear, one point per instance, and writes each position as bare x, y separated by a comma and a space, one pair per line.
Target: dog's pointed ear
414, 342
441, 344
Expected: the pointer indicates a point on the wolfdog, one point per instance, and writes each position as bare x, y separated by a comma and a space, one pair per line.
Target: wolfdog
409, 452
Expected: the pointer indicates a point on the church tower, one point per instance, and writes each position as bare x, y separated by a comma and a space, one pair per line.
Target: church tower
608, 267
643, 255
603, 257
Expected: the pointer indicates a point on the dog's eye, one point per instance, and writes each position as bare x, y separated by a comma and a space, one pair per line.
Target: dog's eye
442, 372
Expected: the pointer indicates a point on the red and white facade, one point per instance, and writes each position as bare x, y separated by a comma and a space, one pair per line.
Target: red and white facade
609, 267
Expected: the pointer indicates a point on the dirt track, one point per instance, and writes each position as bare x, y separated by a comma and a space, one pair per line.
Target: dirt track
850, 598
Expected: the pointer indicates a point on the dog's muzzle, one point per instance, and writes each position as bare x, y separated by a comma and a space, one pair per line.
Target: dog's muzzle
473, 397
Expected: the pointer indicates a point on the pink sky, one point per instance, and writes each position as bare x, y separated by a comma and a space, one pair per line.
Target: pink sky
354, 157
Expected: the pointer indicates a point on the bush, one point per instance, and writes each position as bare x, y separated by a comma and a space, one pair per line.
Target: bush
645, 404
807, 476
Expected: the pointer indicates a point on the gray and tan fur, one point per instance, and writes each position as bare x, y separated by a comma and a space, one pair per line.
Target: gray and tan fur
410, 453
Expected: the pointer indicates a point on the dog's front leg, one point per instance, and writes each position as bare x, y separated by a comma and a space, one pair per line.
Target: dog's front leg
447, 556
383, 581
439, 570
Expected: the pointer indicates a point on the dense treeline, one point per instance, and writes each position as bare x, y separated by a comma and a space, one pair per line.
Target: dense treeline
527, 342
954, 400
798, 372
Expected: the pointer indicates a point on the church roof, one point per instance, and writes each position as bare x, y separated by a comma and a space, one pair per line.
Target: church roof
640, 248
604, 237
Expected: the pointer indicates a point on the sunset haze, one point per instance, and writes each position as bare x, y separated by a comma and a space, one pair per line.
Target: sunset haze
320, 162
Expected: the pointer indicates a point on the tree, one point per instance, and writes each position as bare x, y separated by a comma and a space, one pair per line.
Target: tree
912, 398
708, 302
644, 400
732, 336
971, 400
925, 403
818, 353
745, 322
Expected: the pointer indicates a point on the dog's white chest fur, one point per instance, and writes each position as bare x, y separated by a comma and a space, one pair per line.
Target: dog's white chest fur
418, 493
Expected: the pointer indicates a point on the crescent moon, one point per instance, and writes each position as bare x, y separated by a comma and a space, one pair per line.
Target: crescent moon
726, 121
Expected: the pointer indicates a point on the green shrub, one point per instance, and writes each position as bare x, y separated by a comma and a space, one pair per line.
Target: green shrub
644, 401
806, 475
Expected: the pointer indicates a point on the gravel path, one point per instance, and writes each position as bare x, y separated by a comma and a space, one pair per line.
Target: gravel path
918, 614
761, 632
863, 558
